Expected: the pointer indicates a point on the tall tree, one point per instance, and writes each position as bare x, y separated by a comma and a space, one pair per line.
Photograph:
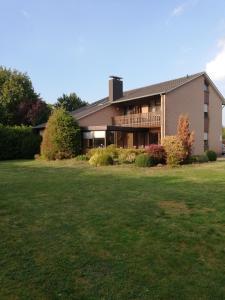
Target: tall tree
33, 112
184, 134
19, 103
70, 102
61, 137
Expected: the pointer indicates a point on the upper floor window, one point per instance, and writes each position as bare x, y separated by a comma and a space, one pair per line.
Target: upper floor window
206, 86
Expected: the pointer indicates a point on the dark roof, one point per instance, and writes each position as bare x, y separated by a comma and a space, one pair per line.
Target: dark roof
91, 108
155, 89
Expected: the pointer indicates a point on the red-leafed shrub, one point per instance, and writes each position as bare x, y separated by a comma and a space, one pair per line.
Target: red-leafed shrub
157, 152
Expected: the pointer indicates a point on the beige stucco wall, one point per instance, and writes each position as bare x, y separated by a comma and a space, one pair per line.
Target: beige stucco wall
187, 99
215, 121
101, 117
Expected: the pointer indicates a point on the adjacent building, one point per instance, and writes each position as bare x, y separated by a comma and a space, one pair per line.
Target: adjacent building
143, 116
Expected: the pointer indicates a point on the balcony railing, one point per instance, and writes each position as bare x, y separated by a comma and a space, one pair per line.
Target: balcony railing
138, 120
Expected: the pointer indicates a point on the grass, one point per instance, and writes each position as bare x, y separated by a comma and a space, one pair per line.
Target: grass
71, 231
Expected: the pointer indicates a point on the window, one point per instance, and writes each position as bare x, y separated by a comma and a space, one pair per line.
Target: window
206, 142
110, 137
206, 145
99, 142
206, 86
205, 136
206, 108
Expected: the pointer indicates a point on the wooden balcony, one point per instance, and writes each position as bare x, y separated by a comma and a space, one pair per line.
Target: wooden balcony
138, 120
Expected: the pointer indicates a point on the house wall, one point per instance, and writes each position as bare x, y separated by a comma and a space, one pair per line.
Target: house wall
101, 117
215, 121
187, 99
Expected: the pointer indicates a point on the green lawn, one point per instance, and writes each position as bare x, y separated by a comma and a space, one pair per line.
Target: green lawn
70, 231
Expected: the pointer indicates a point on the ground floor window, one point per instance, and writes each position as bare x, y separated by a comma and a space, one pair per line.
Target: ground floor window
153, 138
110, 138
121, 138
206, 141
93, 139
99, 142
206, 145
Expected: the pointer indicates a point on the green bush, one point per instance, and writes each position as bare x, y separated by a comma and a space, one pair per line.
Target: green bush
61, 137
212, 156
18, 142
144, 160
81, 157
101, 159
111, 150
126, 156
93, 151
199, 158
117, 154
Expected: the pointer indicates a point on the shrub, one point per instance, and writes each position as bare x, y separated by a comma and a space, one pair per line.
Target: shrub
126, 156
18, 142
174, 150
101, 159
93, 151
81, 157
112, 150
184, 134
157, 152
212, 156
144, 160
61, 137
199, 158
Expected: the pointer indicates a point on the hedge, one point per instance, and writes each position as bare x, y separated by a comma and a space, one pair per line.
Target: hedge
18, 142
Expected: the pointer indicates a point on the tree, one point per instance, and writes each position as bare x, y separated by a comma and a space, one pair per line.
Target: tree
184, 134
70, 102
19, 103
61, 137
32, 112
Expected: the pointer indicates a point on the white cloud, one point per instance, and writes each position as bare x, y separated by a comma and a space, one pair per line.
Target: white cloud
216, 67
178, 10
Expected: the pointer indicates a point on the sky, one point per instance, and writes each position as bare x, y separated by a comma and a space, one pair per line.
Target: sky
75, 45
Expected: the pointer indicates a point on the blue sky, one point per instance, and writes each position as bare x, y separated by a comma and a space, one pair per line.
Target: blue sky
73, 46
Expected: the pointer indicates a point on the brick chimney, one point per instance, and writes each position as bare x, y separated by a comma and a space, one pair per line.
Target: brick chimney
115, 88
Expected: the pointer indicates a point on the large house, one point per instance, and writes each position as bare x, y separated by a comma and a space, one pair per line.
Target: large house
143, 116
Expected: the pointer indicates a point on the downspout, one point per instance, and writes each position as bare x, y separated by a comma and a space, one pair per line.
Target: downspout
163, 116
